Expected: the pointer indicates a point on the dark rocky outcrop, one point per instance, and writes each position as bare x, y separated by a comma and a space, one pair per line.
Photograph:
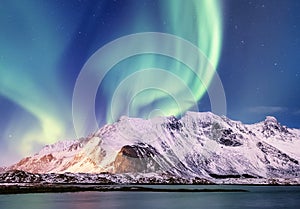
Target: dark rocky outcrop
235, 176
136, 158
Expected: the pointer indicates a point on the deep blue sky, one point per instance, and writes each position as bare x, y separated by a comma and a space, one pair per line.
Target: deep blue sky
44, 45
260, 58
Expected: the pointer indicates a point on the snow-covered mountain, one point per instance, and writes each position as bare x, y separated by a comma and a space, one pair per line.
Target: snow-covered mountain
198, 145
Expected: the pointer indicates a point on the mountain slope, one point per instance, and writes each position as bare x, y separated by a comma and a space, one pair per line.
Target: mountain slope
197, 145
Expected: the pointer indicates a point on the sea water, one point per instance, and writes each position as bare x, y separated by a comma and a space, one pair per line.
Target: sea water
256, 197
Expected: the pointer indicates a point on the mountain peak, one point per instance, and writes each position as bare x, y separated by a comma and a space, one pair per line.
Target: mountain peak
271, 119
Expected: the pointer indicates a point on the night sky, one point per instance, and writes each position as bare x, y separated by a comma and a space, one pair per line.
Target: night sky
253, 46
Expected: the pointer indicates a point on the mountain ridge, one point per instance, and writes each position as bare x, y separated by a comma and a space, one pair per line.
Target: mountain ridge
200, 144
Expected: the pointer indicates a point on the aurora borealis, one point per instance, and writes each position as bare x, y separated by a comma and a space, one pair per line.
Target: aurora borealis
253, 45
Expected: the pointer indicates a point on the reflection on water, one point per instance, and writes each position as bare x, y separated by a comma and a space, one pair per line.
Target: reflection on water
257, 197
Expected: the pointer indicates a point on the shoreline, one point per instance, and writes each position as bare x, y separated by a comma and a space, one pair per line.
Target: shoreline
28, 188
58, 188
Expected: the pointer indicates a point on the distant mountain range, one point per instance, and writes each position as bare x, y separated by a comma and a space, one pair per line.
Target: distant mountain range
199, 145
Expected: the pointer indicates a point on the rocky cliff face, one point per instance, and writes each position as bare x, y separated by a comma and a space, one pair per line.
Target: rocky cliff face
136, 159
198, 145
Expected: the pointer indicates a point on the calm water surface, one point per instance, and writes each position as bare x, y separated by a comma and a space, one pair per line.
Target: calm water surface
257, 197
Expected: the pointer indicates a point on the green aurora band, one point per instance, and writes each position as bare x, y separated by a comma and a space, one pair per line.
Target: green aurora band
151, 95
29, 78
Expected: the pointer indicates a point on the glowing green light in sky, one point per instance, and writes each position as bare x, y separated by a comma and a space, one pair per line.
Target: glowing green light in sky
186, 52
29, 77
199, 22
196, 21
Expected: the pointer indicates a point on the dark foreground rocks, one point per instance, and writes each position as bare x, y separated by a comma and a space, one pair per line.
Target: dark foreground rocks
18, 176
55, 188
